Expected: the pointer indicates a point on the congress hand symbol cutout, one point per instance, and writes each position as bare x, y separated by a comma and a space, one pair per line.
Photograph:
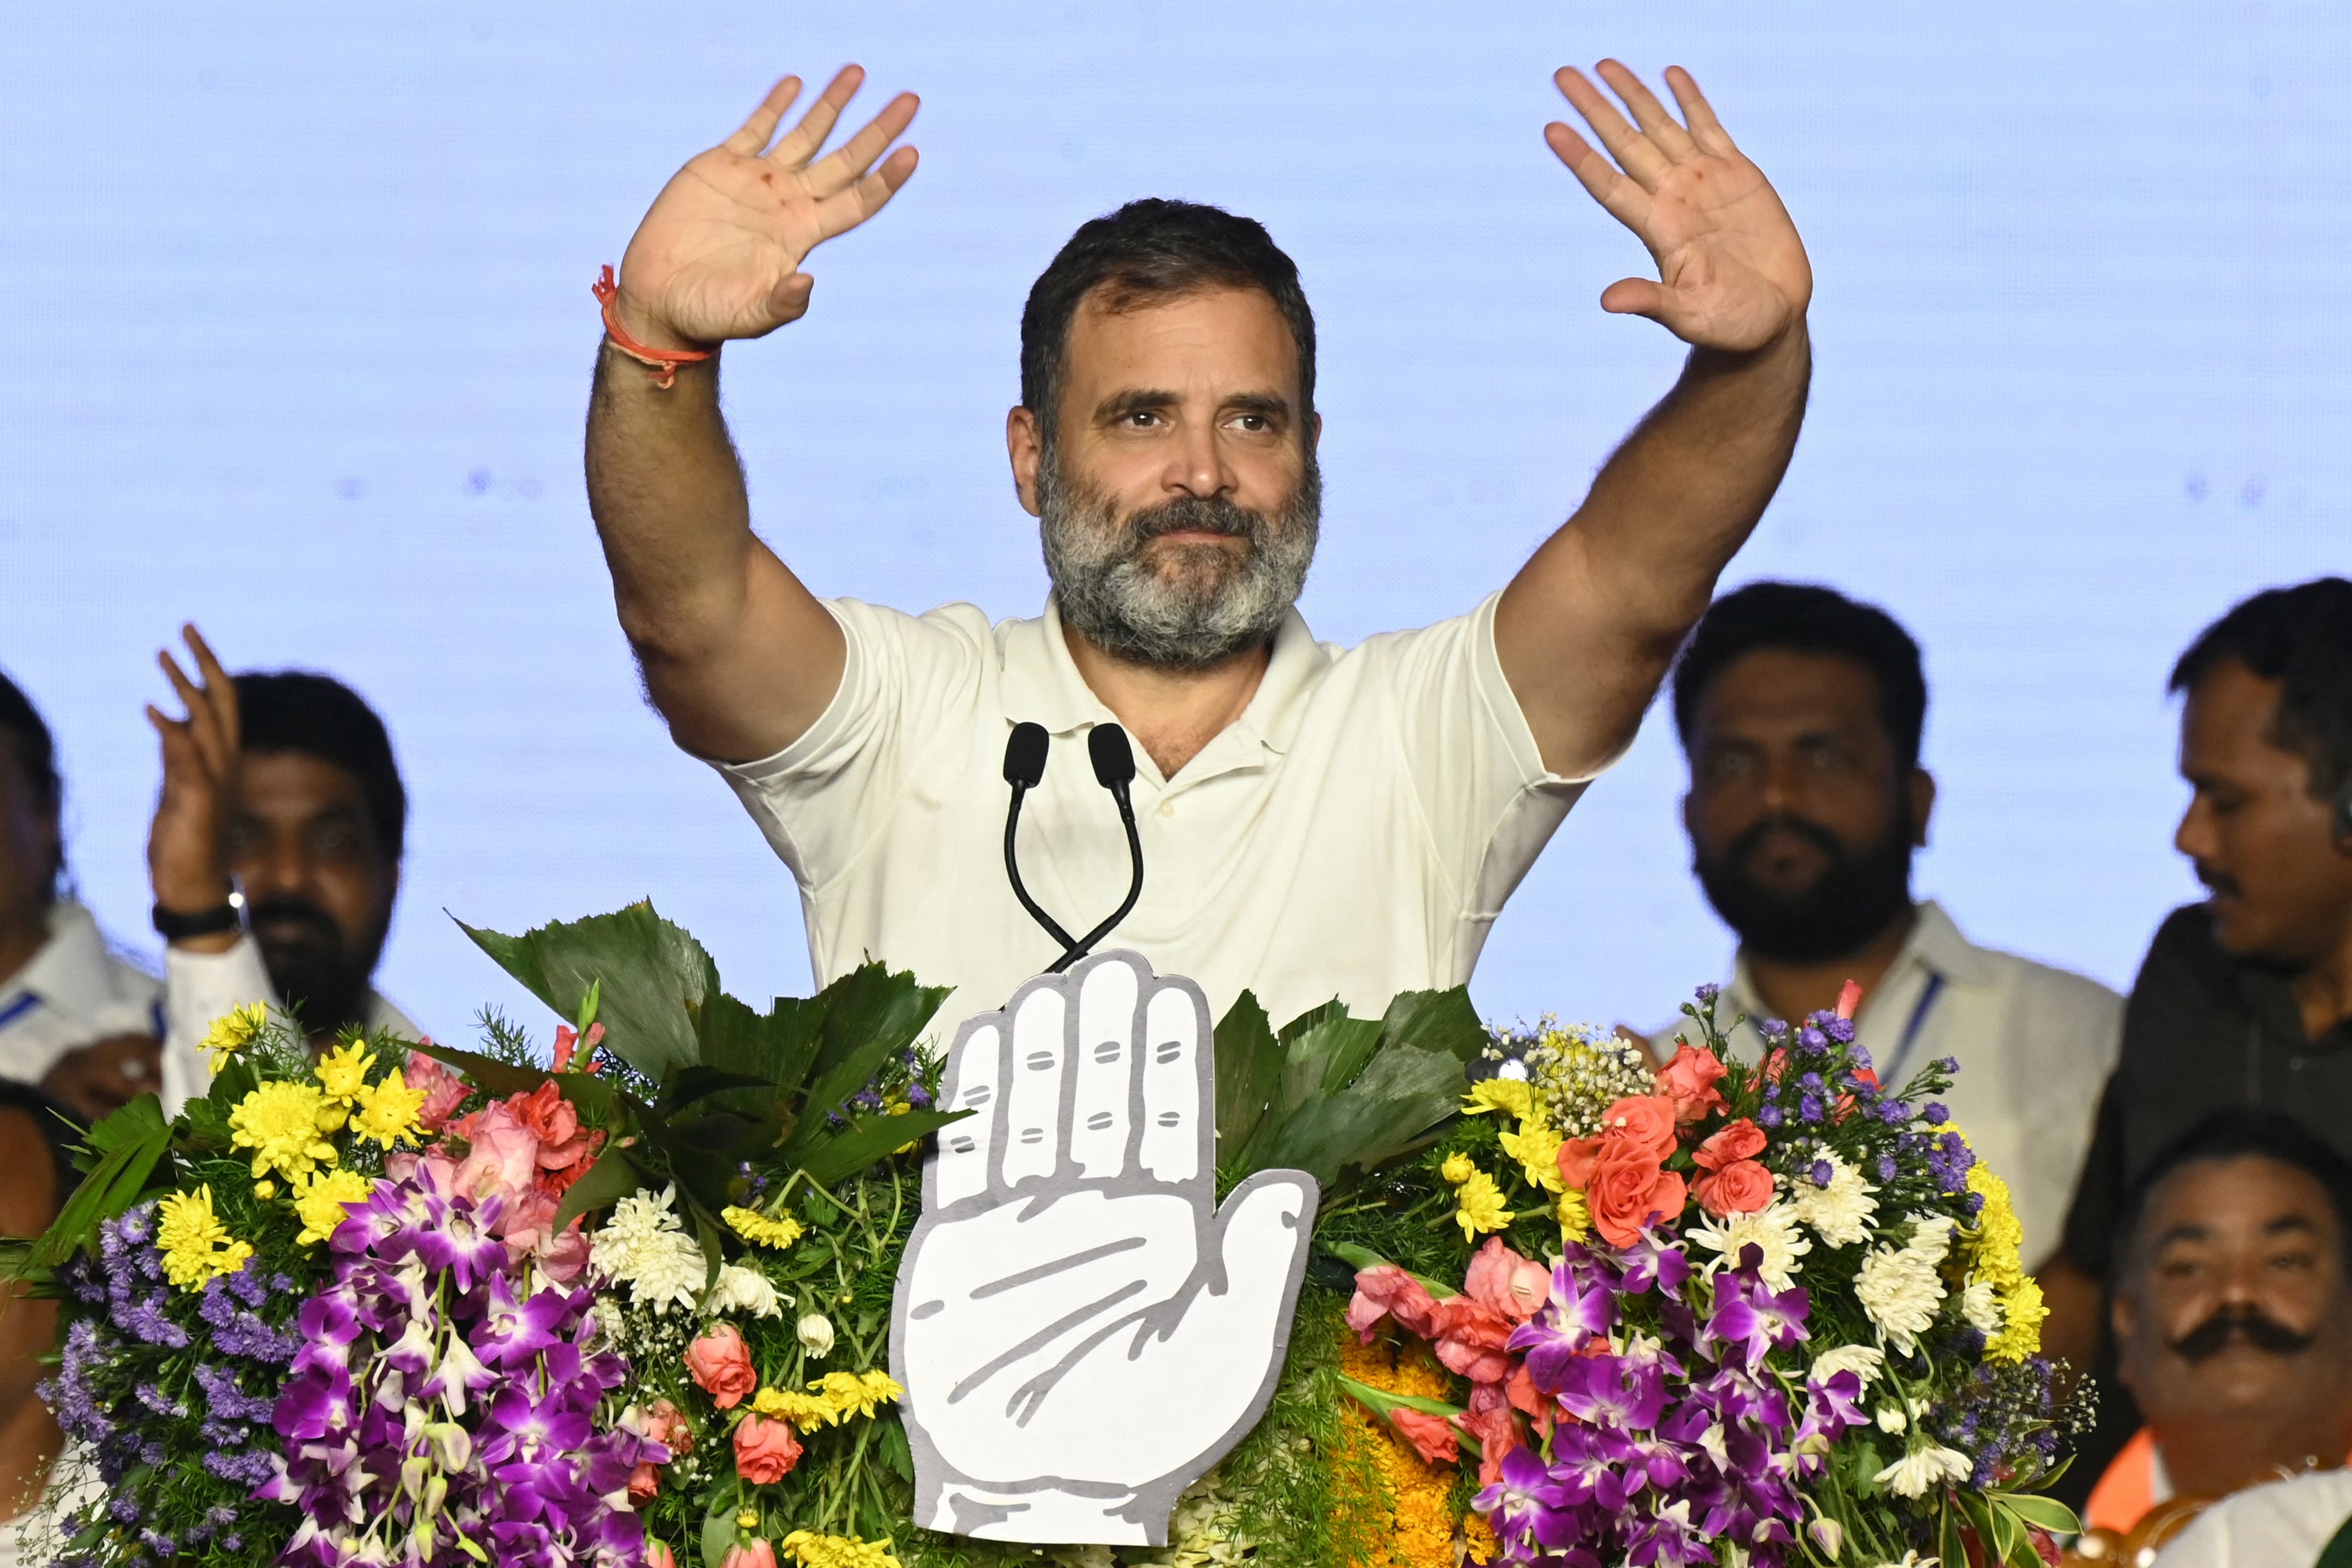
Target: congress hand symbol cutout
1081, 1331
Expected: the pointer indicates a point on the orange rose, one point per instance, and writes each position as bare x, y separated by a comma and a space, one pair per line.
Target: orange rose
721, 1365
1743, 1186
1740, 1141
1641, 1123
1689, 1081
765, 1450
1628, 1191
644, 1484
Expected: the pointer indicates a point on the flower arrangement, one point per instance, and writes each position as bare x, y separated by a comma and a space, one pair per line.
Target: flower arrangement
626, 1300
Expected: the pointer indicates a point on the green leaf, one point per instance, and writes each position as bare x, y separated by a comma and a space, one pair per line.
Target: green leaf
234, 1081
868, 1006
717, 1535
1436, 1020
1249, 1067
691, 1084
612, 1177
1380, 1401
840, 1155
894, 1451
1953, 1546
647, 972
78, 1221
1394, 1106
136, 1122
2043, 1512
777, 1047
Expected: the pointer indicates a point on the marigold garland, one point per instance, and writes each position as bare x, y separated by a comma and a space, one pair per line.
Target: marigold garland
1418, 1500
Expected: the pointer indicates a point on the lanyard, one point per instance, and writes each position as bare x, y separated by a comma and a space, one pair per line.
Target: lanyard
1892, 1080
18, 1008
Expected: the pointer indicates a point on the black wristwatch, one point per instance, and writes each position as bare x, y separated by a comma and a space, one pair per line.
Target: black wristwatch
172, 926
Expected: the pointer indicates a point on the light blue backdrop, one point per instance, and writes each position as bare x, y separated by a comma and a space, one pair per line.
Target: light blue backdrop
295, 302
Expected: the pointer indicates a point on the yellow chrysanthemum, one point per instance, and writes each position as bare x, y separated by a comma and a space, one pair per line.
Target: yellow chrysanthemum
1575, 1217
810, 1550
319, 1203
1992, 1245
1511, 1095
1480, 1205
806, 1411
282, 1123
1457, 1168
1536, 1148
388, 1109
194, 1244
761, 1231
232, 1032
343, 1071
2020, 1334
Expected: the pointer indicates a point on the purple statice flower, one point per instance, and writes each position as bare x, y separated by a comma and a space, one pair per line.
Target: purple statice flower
1809, 1109
1707, 993
1768, 1117
1947, 1065
1812, 1039
1935, 1115
1885, 1167
1824, 1173
1858, 1059
1893, 1113
1775, 1027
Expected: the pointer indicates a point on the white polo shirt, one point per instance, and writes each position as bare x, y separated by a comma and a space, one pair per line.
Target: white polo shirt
2034, 1044
202, 987
1354, 834
74, 991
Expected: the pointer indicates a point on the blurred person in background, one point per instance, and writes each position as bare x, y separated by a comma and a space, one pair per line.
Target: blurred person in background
1800, 712
36, 1177
275, 854
2233, 1316
2246, 998
73, 1014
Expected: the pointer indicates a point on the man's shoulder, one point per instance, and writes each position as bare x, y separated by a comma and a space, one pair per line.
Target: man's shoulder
957, 619
2049, 986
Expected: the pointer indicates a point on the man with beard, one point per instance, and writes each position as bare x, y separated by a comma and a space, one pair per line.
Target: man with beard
1317, 821
2233, 1316
1800, 712
275, 856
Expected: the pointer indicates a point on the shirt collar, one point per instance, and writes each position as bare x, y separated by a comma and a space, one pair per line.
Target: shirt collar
71, 971
1042, 684
1934, 944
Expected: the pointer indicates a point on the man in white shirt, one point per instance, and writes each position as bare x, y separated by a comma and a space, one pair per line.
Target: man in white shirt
276, 856
1315, 821
75, 1017
1800, 712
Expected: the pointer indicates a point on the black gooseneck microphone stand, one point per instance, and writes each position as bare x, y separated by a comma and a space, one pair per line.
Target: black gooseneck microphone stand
1024, 769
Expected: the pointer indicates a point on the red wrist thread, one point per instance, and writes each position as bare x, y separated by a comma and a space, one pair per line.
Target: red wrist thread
661, 364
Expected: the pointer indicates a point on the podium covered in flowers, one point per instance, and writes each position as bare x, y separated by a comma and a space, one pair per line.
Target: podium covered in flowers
632, 1297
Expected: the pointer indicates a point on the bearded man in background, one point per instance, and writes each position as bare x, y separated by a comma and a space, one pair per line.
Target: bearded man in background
1317, 821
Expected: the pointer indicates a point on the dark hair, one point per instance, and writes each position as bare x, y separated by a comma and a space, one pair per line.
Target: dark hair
2301, 638
36, 755
1147, 249
58, 1126
1806, 618
2238, 1131
318, 715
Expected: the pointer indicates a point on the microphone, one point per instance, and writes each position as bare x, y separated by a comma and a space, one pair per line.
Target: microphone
1114, 760
1024, 769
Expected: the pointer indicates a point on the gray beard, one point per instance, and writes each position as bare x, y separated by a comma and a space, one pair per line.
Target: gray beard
1195, 609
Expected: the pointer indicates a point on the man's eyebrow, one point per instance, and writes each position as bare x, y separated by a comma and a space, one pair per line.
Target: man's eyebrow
1134, 400
2185, 1232
2288, 1222
1267, 405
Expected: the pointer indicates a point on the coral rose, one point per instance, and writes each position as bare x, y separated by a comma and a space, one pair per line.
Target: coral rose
759, 1554
1743, 1186
1689, 1080
1627, 1192
1741, 1140
721, 1365
644, 1484
1431, 1435
1511, 1284
1640, 1122
765, 1450
553, 1122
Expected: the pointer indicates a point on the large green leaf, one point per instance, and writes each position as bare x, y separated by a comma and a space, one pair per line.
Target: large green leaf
1249, 1069
869, 1006
1395, 1105
650, 972
1436, 1020
612, 1177
128, 1144
844, 1154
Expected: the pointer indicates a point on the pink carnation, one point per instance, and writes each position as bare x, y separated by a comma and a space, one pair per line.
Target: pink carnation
1511, 1284
1431, 1435
1389, 1291
444, 1090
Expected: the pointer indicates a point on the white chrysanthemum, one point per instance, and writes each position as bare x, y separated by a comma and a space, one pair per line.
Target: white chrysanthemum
1980, 1305
670, 1272
741, 1289
1839, 1213
644, 1247
1900, 1286
1862, 1360
1914, 1473
1772, 1229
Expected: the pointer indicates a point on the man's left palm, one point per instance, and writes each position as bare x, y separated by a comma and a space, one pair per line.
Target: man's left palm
1732, 273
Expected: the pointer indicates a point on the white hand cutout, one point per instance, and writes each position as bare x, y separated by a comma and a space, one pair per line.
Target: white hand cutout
1081, 1331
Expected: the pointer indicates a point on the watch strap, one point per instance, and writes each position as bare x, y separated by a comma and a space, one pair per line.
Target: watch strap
172, 926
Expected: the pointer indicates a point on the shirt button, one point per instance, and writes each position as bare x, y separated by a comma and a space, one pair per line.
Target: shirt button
1167, 807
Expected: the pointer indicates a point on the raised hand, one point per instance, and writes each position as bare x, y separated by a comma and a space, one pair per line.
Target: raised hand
1732, 274
187, 846
718, 255
1081, 1331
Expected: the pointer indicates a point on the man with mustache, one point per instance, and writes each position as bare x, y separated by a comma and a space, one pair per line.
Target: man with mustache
1314, 820
2244, 999
1800, 712
275, 855
2233, 1314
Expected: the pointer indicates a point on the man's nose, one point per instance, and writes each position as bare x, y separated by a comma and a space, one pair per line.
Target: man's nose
1198, 466
272, 870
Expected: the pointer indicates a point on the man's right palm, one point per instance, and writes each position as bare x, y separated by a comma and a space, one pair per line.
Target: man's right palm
718, 254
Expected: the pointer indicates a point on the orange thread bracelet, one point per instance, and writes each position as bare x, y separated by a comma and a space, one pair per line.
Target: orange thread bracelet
660, 363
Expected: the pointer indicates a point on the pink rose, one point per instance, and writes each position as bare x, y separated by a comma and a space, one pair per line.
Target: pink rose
765, 1450
502, 1156
1511, 1284
1741, 1140
1431, 1435
644, 1484
721, 1365
1743, 1186
1689, 1081
444, 1090
663, 1423
1627, 1192
759, 1554
660, 1556
1389, 1291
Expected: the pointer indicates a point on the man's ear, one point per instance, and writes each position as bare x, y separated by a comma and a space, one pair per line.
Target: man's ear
2122, 1315
1923, 805
1026, 447
1315, 431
